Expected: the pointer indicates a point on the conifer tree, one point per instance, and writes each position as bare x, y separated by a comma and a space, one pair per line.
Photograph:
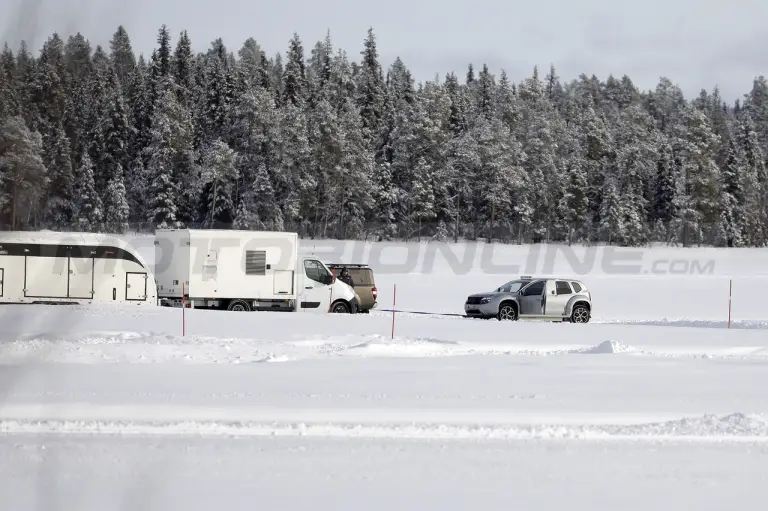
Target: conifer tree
370, 89
113, 138
163, 189
122, 56
294, 75
182, 69
22, 173
116, 205
61, 183
731, 222
88, 206
219, 179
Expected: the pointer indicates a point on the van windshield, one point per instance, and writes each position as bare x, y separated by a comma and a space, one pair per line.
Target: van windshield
511, 287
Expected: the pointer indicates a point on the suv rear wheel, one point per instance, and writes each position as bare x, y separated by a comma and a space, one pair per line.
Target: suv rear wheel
507, 312
580, 314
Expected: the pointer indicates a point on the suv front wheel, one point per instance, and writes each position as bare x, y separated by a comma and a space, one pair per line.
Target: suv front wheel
507, 312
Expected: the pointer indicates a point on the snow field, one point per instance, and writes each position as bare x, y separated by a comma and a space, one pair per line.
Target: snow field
655, 404
336, 374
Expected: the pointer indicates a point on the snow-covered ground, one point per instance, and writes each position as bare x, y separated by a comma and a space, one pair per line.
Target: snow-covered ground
654, 405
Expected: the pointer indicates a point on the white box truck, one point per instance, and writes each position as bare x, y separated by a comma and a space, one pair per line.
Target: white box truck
244, 271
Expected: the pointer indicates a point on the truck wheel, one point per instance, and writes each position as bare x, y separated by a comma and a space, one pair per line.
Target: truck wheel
340, 308
507, 312
238, 306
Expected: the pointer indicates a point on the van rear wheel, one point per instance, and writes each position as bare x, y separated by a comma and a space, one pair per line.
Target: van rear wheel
238, 306
340, 308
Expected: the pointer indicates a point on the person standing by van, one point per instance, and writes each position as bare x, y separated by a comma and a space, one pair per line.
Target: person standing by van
346, 278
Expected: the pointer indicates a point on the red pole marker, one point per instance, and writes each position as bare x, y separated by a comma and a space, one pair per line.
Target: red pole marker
394, 301
183, 313
730, 295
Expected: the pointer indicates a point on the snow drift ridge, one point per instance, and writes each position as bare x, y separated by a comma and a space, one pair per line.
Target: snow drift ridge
735, 427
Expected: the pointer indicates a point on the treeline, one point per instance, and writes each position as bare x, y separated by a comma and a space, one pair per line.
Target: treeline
332, 146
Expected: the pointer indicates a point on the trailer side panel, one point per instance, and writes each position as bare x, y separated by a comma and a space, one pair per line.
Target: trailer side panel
46, 277
81, 278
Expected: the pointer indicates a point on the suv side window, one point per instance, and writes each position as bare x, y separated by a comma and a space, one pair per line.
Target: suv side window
535, 289
576, 287
562, 288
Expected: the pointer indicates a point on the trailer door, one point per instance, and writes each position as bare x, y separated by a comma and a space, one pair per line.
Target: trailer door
135, 287
81, 278
2, 276
46, 277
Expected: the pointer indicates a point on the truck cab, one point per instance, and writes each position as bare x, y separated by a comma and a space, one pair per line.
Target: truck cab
319, 290
363, 281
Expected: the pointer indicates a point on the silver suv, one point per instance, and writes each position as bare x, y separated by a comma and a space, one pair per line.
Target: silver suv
551, 298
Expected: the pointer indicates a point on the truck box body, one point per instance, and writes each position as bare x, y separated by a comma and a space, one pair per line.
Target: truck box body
224, 264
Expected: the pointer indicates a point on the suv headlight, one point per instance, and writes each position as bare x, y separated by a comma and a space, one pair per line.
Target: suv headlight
485, 300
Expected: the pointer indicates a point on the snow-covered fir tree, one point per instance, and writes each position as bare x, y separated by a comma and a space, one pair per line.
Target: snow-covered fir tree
23, 175
336, 142
59, 206
219, 180
88, 206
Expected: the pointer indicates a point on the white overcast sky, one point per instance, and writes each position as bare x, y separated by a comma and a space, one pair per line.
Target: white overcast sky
695, 44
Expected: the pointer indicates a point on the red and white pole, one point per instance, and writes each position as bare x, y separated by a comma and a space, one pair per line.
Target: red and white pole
730, 297
394, 302
183, 313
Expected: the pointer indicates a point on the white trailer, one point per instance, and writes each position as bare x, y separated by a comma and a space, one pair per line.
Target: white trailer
244, 271
72, 268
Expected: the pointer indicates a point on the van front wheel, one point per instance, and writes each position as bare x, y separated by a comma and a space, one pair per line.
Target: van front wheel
340, 308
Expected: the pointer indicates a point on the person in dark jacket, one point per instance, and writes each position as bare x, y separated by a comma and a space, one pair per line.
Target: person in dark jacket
346, 278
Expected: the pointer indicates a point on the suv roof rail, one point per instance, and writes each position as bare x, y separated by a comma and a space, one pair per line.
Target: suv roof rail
549, 277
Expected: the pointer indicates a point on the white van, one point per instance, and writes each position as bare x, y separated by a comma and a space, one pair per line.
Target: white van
244, 271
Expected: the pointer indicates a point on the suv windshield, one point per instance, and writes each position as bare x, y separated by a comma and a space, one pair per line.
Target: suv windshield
512, 287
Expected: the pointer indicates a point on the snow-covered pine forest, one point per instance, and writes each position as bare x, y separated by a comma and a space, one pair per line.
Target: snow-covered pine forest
331, 144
